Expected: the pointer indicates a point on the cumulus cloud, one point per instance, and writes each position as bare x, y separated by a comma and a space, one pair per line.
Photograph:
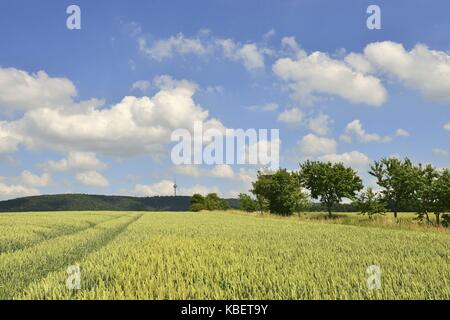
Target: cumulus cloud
291, 44
136, 125
269, 34
402, 133
291, 116
141, 85
32, 180
359, 62
249, 54
354, 159
320, 124
217, 171
21, 91
223, 171
355, 129
421, 68
8, 191
9, 139
167, 48
76, 161
92, 179
356, 77
312, 145
165, 188
162, 188
318, 73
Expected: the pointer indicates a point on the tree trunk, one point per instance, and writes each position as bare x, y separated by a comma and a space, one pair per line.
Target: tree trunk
329, 211
438, 218
395, 210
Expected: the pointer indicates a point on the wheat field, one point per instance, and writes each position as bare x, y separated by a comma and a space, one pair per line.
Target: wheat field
215, 255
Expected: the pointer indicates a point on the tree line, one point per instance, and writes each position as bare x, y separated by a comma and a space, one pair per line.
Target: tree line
210, 202
401, 183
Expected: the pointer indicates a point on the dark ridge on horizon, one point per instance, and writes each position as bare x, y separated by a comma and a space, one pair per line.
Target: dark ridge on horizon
92, 202
87, 202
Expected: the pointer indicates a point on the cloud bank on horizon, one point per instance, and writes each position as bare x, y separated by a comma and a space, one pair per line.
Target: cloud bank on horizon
60, 131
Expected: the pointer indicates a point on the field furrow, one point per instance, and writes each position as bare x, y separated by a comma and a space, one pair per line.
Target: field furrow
17, 233
19, 269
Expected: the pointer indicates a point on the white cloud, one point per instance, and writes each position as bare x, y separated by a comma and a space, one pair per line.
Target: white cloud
162, 188
359, 62
320, 124
317, 73
312, 145
189, 170
165, 188
21, 91
421, 68
222, 171
440, 152
402, 133
31, 180
291, 116
215, 89
268, 107
167, 48
447, 126
269, 34
355, 129
133, 126
249, 54
92, 179
77, 161
8, 138
141, 85
290, 43
354, 159
16, 191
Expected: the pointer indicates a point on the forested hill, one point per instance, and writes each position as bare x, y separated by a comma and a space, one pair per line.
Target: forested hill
84, 202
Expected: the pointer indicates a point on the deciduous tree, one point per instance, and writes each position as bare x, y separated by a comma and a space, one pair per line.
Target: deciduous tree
397, 178
329, 182
281, 190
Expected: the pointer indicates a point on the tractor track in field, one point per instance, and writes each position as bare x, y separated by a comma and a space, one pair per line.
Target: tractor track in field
91, 225
11, 287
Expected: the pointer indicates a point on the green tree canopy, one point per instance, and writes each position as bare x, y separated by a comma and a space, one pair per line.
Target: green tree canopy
281, 190
369, 202
329, 182
397, 178
214, 202
441, 195
247, 203
198, 202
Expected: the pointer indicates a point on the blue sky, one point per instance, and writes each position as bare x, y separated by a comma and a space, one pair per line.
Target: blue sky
336, 90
